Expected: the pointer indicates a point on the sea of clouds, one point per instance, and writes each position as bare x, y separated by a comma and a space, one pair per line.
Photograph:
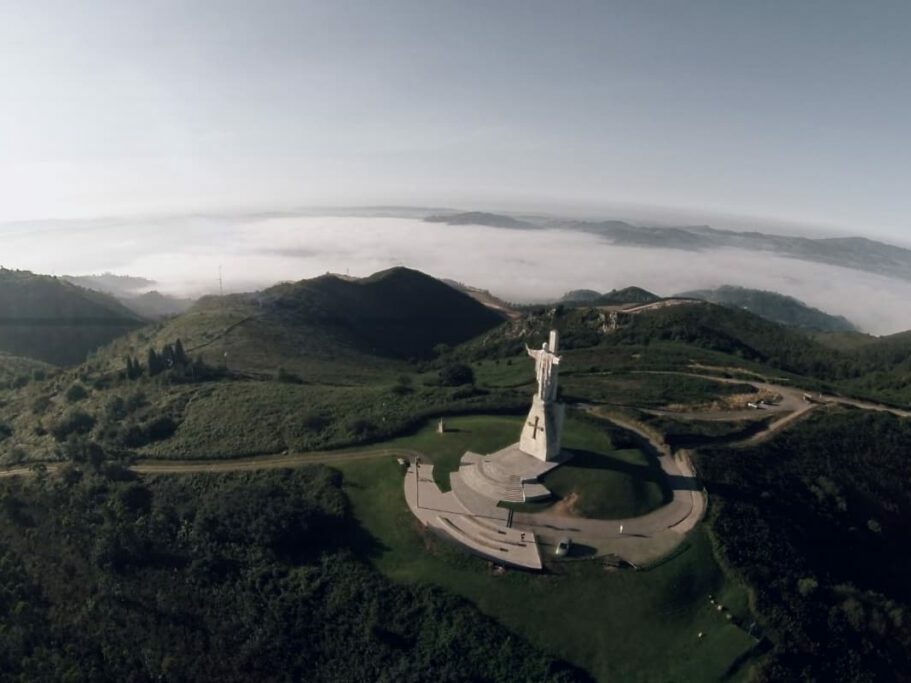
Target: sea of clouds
184, 254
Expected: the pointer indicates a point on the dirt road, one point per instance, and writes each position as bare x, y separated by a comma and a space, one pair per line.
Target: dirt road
263, 462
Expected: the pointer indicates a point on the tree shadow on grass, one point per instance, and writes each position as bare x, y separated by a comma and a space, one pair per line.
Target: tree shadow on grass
357, 537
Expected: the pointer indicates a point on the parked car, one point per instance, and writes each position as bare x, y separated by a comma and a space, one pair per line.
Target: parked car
563, 547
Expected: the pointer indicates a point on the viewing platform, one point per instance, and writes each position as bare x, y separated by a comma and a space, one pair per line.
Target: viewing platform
473, 521
508, 475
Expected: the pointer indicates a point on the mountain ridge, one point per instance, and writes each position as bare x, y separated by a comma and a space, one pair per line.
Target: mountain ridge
52, 320
774, 306
858, 253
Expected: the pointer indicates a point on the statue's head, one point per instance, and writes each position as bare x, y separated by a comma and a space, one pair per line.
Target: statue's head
544, 346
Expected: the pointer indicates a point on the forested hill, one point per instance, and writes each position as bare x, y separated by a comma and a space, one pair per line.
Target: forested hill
330, 328
775, 307
49, 319
399, 312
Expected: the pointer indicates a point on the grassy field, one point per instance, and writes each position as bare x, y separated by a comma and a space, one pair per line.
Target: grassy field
619, 625
508, 372
647, 390
602, 481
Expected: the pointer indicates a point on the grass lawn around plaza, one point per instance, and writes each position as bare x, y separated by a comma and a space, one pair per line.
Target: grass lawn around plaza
619, 625
603, 481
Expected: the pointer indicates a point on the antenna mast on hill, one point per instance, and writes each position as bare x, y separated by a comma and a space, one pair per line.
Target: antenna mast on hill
221, 285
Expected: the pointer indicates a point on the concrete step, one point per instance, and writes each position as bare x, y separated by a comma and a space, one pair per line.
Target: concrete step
503, 550
490, 488
481, 505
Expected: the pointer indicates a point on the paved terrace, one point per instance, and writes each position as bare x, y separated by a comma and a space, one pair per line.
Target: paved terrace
483, 532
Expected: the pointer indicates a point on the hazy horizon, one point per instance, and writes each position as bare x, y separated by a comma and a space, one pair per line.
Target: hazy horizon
184, 255
794, 112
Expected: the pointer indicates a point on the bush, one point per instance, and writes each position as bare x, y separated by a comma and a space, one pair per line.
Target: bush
76, 393
288, 377
74, 422
456, 374
160, 428
361, 428
40, 405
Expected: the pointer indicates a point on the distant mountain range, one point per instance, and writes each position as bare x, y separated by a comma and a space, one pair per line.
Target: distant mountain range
858, 253
772, 306
492, 220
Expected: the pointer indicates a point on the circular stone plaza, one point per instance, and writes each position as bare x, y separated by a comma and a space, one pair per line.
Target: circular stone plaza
471, 514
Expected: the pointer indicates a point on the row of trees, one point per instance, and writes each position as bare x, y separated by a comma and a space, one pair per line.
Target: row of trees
172, 360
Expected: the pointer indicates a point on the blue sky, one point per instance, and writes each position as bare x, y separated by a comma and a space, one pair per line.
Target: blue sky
799, 111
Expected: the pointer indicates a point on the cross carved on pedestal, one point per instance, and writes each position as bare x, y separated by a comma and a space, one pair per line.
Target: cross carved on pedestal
535, 428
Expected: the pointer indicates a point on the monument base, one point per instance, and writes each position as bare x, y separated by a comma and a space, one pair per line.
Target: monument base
543, 430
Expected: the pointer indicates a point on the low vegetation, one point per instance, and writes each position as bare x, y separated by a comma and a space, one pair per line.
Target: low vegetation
223, 577
814, 521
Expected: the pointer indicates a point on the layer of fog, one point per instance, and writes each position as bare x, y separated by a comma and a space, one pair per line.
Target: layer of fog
184, 256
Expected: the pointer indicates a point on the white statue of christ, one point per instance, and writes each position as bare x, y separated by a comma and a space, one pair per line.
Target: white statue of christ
546, 361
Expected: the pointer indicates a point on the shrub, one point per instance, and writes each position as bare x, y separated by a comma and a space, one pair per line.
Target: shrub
76, 393
361, 428
288, 377
160, 428
456, 374
41, 404
73, 422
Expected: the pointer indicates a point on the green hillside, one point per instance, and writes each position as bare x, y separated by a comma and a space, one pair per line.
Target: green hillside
397, 313
776, 307
315, 364
18, 371
627, 295
52, 320
326, 327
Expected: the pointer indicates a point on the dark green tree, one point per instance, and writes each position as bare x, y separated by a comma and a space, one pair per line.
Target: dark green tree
155, 363
180, 356
456, 374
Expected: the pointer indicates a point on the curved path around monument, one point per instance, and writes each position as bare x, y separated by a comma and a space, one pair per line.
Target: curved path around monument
638, 540
654, 535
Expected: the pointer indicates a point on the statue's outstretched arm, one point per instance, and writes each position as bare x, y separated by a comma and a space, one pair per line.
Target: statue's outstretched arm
557, 360
530, 352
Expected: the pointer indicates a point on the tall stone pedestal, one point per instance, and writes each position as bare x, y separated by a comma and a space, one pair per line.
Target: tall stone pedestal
543, 430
